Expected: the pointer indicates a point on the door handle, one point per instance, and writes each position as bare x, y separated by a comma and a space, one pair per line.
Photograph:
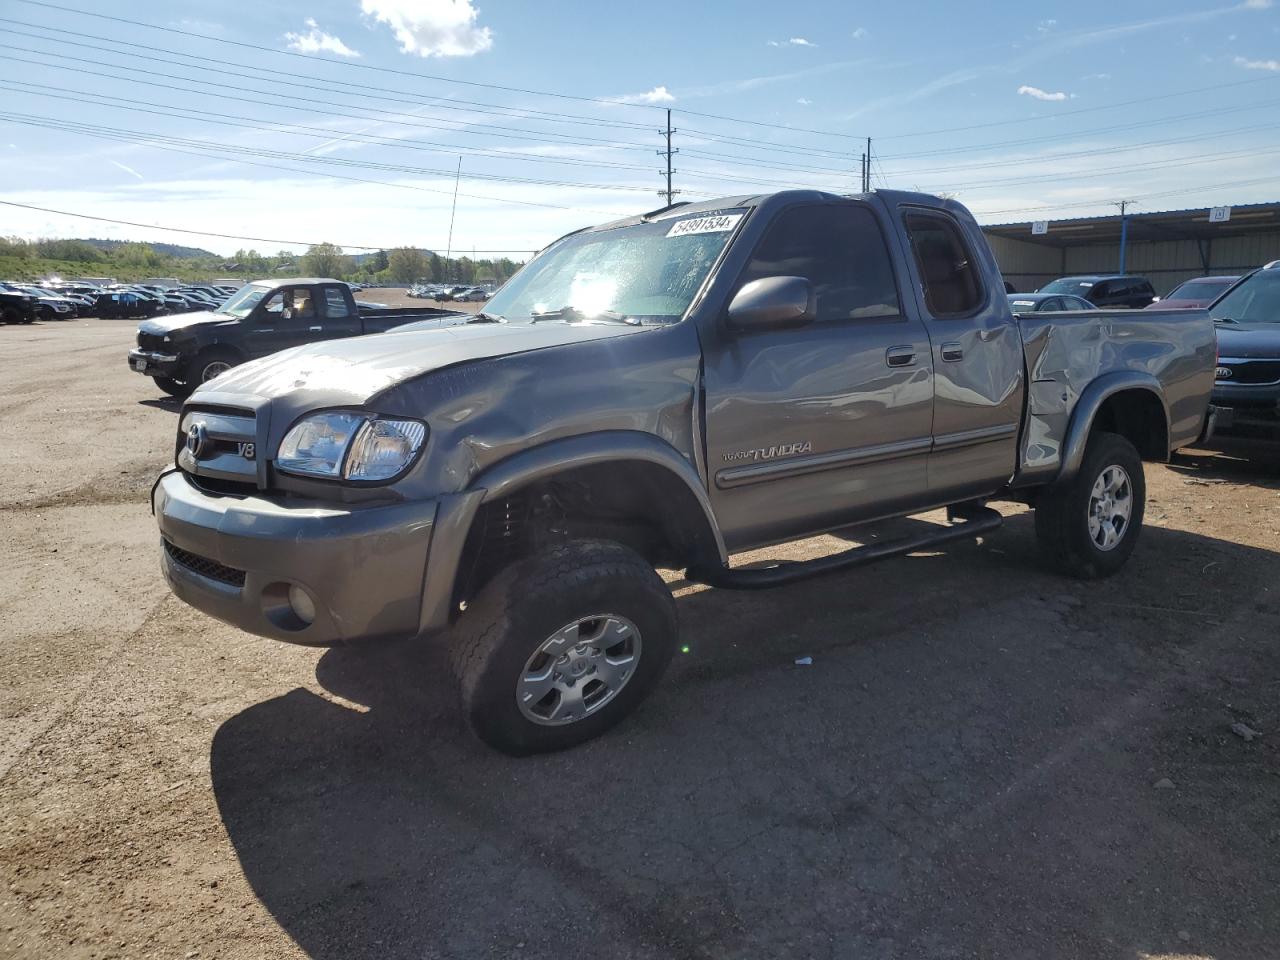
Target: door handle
314, 329
900, 356
952, 351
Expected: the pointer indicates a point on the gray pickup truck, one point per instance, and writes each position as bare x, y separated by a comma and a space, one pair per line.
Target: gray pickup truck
664, 391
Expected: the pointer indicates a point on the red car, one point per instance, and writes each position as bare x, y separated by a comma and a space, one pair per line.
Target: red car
1199, 292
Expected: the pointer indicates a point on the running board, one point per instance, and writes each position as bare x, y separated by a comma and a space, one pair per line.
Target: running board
976, 521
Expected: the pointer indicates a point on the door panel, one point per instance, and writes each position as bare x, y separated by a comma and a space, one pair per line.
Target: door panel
813, 427
977, 358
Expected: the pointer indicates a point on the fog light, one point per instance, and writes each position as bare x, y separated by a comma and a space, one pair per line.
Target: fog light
303, 606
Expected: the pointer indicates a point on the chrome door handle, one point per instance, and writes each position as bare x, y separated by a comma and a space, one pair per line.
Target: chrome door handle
900, 356
952, 352
314, 329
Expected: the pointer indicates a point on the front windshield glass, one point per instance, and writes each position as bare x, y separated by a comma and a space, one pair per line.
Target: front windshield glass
648, 272
1255, 299
1067, 285
241, 304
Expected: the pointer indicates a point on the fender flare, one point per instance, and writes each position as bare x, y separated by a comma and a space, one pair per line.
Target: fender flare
1086, 411
458, 511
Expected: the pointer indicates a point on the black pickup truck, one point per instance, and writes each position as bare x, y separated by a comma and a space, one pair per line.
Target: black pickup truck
181, 352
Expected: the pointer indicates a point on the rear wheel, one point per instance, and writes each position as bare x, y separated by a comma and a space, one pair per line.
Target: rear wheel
1089, 526
561, 646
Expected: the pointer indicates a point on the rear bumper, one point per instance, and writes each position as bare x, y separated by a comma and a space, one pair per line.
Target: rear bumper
362, 566
152, 364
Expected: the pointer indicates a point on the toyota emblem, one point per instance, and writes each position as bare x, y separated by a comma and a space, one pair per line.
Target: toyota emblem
197, 435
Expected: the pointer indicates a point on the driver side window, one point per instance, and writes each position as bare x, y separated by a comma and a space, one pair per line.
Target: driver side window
274, 306
840, 250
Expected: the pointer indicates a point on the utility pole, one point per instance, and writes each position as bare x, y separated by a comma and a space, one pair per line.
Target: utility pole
866, 187
669, 193
863, 169
452, 213
1124, 231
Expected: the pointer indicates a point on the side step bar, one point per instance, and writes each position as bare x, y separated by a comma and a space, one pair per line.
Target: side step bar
976, 520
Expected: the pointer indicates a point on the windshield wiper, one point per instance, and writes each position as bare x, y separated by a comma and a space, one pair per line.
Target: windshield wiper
1225, 320
483, 317
569, 314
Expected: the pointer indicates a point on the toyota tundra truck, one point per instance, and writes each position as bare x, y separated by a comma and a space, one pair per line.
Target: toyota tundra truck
664, 391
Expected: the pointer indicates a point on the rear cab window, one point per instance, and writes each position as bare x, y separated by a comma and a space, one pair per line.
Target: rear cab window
335, 304
952, 285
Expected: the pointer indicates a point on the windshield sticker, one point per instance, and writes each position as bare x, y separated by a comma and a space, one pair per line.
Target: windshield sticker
720, 224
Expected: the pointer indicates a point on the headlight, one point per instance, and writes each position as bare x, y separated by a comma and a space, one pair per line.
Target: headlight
350, 446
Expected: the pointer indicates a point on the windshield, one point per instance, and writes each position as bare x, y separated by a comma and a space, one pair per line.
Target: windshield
648, 272
1067, 285
1255, 299
241, 304
1199, 290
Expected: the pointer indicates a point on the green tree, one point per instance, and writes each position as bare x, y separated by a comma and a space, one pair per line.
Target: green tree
406, 264
379, 262
324, 260
437, 268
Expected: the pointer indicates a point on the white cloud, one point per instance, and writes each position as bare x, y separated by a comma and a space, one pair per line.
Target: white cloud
432, 28
1096, 76
1272, 65
1044, 26
1043, 94
860, 33
316, 40
1257, 4
128, 170
656, 95
792, 42
804, 101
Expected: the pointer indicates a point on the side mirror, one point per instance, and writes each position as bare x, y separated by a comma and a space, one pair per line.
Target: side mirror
772, 303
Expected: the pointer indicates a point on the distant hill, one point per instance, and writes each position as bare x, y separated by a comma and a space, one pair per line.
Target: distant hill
166, 249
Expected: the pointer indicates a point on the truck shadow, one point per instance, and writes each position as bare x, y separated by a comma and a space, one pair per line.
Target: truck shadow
966, 769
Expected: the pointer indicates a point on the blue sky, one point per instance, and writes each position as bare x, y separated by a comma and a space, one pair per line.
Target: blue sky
342, 120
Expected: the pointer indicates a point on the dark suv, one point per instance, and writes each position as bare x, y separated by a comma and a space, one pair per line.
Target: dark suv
1246, 392
1123, 292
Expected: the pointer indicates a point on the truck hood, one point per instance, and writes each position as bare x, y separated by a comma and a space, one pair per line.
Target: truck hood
352, 371
181, 321
1240, 340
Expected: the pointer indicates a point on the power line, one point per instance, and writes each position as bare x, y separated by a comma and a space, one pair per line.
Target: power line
203, 115
417, 75
1132, 197
115, 136
222, 236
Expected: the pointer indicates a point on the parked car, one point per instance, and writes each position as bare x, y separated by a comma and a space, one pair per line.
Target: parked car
49, 306
1106, 291
17, 307
730, 374
1199, 292
124, 304
1047, 302
1246, 390
474, 295
181, 352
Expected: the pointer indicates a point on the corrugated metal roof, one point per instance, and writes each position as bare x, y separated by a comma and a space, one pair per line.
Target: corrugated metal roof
1190, 224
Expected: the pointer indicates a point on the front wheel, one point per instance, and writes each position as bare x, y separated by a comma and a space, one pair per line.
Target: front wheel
174, 388
1088, 526
562, 645
208, 365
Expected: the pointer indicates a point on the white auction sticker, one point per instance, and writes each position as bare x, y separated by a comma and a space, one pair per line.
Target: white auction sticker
720, 224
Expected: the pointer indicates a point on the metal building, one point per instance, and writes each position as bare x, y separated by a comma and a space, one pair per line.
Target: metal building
1166, 247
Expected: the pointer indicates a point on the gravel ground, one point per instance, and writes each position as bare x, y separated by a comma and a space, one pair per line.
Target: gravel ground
983, 760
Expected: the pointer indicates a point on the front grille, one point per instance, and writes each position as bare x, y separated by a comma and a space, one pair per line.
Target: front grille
150, 341
204, 566
229, 451
1251, 371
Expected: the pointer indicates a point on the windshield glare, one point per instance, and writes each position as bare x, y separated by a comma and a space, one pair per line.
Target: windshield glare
648, 272
1198, 290
241, 304
1253, 300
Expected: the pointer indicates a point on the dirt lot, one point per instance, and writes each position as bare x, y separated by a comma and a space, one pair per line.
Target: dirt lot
982, 761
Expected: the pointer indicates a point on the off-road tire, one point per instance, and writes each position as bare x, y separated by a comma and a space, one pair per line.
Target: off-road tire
528, 602
1062, 512
174, 388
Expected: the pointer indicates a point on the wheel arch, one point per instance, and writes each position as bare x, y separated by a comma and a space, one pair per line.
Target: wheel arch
608, 468
1126, 402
